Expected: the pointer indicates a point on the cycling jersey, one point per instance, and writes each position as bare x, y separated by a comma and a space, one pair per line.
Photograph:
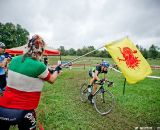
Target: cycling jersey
24, 84
97, 68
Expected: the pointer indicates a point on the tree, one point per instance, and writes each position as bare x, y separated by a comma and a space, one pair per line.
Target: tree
153, 51
72, 51
84, 50
137, 46
104, 53
91, 48
62, 50
12, 35
21, 35
158, 49
79, 52
145, 53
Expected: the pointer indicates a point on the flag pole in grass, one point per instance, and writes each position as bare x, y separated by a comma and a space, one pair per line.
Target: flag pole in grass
124, 86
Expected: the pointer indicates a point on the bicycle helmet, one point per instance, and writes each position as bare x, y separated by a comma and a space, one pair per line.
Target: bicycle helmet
105, 64
2, 45
36, 45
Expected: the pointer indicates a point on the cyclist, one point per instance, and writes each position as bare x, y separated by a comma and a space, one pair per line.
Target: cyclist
26, 76
93, 73
3, 62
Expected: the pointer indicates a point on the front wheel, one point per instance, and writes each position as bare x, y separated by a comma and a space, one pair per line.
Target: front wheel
104, 102
84, 92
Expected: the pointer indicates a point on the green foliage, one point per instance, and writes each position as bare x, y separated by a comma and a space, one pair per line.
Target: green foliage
62, 50
13, 35
153, 52
71, 52
84, 50
145, 53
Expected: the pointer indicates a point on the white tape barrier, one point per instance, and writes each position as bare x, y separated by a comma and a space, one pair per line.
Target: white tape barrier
153, 77
155, 67
115, 70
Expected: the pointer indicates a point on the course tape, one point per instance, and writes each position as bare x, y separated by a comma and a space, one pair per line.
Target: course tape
155, 67
152, 77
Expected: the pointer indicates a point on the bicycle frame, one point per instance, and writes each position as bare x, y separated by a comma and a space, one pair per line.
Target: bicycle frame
101, 87
103, 99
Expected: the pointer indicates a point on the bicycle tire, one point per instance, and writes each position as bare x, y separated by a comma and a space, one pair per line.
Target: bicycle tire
84, 92
104, 102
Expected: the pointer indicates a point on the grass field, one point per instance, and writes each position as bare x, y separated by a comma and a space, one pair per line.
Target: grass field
60, 107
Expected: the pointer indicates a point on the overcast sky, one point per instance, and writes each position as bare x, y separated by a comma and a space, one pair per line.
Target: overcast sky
78, 23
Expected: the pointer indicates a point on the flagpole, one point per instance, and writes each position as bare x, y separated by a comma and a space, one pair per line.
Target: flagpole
87, 53
82, 56
124, 86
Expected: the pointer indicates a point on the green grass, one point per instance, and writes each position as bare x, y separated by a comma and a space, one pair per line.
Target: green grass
60, 107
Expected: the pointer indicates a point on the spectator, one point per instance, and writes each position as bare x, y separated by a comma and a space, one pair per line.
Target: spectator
3, 62
26, 76
70, 65
59, 62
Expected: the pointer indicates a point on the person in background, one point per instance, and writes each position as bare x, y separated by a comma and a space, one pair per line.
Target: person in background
3, 62
70, 65
9, 58
26, 76
59, 62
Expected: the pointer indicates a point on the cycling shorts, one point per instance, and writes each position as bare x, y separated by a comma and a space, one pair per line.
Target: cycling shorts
25, 119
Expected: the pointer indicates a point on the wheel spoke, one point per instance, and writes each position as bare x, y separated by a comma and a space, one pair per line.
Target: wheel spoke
104, 102
84, 92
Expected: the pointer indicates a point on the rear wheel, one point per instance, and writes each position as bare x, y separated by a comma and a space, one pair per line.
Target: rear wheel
84, 92
104, 102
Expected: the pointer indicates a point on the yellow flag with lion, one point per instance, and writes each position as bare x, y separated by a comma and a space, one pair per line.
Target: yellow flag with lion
129, 60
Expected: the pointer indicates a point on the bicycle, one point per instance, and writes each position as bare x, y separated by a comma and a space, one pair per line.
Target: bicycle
103, 99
